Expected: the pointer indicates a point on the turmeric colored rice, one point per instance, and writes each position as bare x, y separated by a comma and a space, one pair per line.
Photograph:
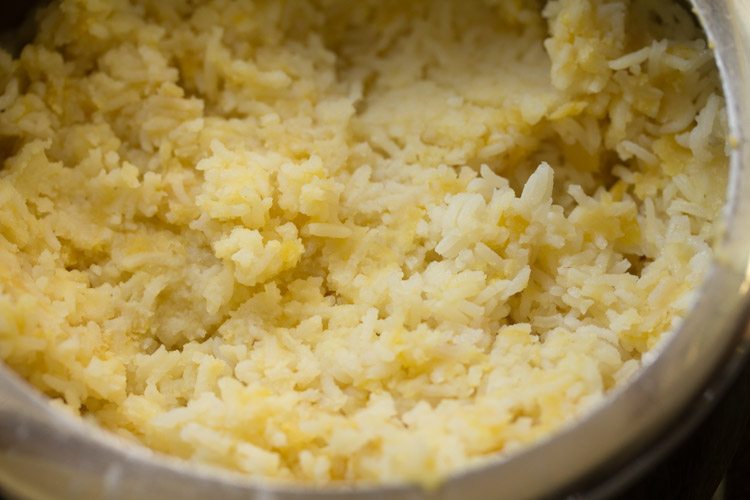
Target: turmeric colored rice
339, 242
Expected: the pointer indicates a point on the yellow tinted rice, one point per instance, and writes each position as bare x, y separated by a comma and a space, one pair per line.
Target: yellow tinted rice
328, 241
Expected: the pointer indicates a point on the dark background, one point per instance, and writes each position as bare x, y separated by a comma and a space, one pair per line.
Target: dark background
12, 12
718, 449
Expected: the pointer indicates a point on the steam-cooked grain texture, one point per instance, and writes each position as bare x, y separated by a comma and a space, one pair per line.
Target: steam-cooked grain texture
333, 241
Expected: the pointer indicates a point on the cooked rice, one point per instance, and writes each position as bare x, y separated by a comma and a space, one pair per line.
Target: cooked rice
328, 241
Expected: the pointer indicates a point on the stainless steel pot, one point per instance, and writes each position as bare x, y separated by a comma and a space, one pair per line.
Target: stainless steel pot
45, 453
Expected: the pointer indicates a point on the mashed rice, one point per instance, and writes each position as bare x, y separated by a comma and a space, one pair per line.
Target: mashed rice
328, 241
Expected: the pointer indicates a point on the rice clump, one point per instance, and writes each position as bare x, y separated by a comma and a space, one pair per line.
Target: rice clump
351, 242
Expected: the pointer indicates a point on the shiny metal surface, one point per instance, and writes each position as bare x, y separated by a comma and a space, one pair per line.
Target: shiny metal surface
44, 453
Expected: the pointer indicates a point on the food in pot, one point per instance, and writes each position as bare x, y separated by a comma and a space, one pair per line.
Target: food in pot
352, 242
